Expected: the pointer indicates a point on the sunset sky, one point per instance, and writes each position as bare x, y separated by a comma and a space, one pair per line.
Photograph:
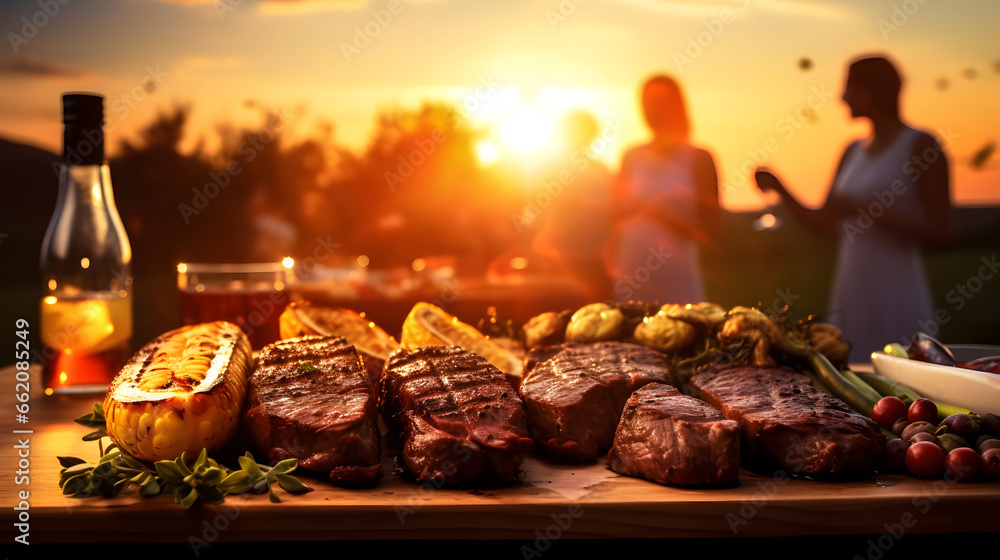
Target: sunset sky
758, 74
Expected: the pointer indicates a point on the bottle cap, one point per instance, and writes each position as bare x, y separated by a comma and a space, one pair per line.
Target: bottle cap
83, 132
83, 108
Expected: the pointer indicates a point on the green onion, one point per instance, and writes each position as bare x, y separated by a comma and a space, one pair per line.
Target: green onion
839, 385
861, 385
888, 387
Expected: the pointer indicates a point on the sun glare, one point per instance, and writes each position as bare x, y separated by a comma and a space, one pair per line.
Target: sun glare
526, 130
487, 152
525, 126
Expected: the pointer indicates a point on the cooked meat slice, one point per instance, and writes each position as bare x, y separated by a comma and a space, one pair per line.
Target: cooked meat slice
540, 354
675, 439
787, 423
310, 398
575, 398
459, 417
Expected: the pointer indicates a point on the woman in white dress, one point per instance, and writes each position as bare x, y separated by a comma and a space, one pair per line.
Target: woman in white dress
890, 197
666, 203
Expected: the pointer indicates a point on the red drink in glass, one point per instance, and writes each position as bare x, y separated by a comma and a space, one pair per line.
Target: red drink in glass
251, 296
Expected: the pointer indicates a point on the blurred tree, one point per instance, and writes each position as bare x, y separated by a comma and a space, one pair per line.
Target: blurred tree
419, 191
153, 182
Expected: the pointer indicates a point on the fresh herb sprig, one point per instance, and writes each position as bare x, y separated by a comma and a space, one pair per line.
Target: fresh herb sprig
203, 479
94, 419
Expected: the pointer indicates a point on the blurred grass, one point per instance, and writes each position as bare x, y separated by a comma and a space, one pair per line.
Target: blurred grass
759, 267
771, 268
978, 321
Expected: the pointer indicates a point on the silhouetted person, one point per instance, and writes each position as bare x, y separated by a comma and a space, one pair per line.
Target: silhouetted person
577, 224
889, 197
667, 202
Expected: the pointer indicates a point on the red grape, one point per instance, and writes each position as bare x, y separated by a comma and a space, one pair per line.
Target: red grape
887, 410
962, 464
922, 409
991, 463
925, 458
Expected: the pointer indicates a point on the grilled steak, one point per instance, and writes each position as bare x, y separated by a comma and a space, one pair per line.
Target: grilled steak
310, 398
459, 417
540, 354
675, 439
787, 423
575, 398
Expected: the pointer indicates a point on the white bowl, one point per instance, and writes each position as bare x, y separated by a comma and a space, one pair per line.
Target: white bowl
977, 390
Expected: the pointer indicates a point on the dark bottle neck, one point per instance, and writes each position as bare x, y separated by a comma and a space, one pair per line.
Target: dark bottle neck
83, 144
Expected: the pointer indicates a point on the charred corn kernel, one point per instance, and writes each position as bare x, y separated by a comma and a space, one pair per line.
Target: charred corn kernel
205, 430
146, 423
180, 393
143, 448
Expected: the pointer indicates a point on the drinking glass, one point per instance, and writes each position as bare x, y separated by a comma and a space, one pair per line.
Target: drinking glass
250, 295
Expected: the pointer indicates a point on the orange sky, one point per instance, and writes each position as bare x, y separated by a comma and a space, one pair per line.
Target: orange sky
342, 61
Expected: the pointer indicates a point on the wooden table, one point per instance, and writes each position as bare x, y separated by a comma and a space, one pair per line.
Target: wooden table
551, 502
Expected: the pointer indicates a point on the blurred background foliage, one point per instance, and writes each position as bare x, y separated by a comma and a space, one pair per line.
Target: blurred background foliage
415, 191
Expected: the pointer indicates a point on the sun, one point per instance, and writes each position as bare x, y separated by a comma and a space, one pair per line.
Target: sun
518, 126
526, 130
521, 134
487, 151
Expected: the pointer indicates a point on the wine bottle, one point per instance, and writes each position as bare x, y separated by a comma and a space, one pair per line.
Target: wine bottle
86, 306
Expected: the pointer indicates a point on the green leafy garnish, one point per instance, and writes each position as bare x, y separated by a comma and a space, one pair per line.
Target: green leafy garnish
204, 479
94, 419
305, 368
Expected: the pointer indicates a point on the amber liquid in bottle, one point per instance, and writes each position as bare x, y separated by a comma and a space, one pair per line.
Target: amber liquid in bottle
86, 308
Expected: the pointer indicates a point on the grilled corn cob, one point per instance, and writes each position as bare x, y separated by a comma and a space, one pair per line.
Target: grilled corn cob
181, 392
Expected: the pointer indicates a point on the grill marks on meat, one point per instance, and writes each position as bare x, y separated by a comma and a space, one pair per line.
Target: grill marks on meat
310, 398
675, 439
459, 417
787, 423
575, 398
